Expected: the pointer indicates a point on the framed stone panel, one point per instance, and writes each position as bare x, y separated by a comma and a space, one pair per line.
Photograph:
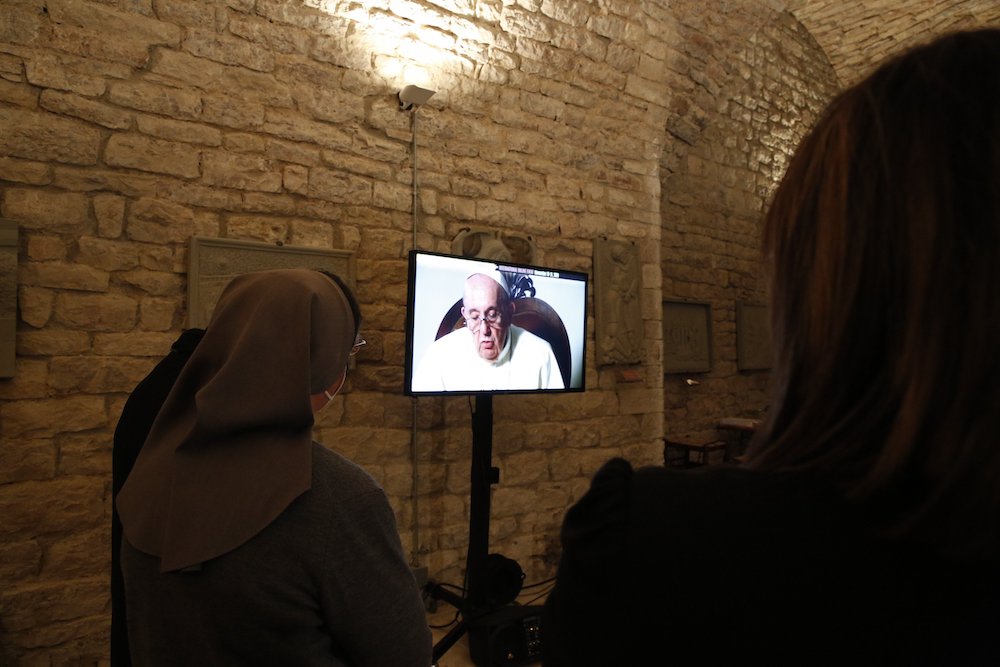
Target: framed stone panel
687, 337
753, 337
214, 262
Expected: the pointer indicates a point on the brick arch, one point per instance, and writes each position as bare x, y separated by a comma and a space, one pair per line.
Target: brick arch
726, 147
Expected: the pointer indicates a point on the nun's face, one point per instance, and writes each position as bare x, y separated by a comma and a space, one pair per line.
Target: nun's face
487, 313
322, 399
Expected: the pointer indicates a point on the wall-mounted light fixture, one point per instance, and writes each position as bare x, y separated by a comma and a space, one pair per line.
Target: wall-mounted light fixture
413, 96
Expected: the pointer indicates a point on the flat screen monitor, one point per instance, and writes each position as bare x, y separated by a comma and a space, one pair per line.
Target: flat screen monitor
478, 326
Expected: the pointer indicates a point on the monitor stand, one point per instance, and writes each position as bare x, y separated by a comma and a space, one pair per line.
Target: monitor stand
489, 625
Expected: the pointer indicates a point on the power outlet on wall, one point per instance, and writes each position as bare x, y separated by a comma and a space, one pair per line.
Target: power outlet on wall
422, 577
420, 574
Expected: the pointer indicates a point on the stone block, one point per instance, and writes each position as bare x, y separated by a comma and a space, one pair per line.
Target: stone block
256, 228
151, 344
156, 283
79, 555
60, 505
524, 468
30, 607
396, 196
153, 155
28, 381
177, 103
65, 275
95, 312
337, 186
46, 248
185, 13
295, 179
292, 151
312, 234
269, 35
179, 130
69, 104
108, 20
33, 460
329, 103
62, 643
65, 72
241, 172
19, 561
24, 171
110, 213
228, 50
44, 209
294, 126
96, 375
35, 305
159, 221
86, 454
158, 314
232, 112
108, 255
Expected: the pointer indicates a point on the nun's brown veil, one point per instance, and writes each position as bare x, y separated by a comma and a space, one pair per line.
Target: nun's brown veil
231, 447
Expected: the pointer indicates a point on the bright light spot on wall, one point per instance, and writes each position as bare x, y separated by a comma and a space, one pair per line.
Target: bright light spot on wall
411, 44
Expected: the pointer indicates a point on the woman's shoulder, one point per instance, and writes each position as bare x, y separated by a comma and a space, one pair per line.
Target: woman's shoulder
716, 509
335, 473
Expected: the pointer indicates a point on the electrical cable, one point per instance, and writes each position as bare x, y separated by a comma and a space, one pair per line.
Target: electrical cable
540, 583
537, 597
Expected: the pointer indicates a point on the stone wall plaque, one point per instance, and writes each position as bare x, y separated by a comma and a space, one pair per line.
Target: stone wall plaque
687, 337
753, 337
617, 311
8, 296
214, 262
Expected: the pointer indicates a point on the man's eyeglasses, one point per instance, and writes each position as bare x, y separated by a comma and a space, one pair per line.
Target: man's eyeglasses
358, 344
492, 318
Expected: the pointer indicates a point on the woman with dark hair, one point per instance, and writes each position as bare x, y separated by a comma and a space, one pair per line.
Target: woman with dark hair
864, 526
245, 542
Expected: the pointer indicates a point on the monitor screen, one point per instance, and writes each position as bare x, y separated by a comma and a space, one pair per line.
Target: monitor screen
478, 326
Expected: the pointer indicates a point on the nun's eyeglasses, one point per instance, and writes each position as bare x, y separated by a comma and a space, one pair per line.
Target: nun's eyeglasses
358, 344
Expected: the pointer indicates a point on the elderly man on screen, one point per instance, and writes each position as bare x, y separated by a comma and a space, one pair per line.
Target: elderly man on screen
489, 353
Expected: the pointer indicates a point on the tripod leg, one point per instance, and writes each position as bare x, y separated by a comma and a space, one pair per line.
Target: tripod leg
448, 641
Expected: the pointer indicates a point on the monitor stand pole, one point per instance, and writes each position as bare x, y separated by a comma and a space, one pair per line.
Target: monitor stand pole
473, 606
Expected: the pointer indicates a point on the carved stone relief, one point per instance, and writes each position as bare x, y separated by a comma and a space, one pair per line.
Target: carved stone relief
495, 245
687, 337
618, 316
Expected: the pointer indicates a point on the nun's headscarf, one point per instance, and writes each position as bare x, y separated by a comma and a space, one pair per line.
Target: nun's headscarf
231, 447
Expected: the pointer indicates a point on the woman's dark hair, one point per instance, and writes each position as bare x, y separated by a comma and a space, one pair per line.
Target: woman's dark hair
884, 244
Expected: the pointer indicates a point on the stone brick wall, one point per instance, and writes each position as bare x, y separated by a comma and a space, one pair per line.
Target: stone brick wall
127, 126
749, 103
858, 34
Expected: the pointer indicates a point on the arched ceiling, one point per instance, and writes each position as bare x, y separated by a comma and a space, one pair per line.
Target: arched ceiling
857, 34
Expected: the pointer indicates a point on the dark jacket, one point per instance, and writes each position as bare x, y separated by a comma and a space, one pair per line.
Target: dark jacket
137, 417
730, 566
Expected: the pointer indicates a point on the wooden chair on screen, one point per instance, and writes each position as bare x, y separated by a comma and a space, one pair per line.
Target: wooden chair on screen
531, 314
